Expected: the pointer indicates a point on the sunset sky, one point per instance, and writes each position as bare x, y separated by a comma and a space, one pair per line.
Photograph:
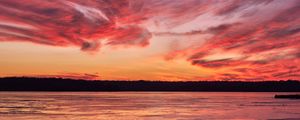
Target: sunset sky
151, 39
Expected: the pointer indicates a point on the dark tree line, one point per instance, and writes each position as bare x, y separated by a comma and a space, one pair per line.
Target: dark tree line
59, 84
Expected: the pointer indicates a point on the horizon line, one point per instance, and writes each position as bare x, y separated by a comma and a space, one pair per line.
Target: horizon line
145, 80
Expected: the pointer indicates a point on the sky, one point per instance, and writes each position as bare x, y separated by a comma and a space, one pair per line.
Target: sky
174, 40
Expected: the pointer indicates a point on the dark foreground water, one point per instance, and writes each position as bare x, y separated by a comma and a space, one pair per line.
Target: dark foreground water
146, 105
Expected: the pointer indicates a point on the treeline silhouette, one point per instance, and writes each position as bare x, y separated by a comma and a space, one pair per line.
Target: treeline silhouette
59, 84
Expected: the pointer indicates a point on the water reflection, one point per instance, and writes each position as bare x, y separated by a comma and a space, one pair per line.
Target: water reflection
145, 105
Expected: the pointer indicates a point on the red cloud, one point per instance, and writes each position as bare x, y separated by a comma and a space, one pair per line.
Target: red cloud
273, 42
87, 23
69, 23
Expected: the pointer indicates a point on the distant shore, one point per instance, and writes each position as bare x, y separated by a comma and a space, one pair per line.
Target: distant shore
59, 84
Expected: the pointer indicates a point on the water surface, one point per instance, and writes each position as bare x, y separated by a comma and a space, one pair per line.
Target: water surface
146, 105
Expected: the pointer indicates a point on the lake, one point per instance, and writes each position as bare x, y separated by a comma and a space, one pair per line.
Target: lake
146, 105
